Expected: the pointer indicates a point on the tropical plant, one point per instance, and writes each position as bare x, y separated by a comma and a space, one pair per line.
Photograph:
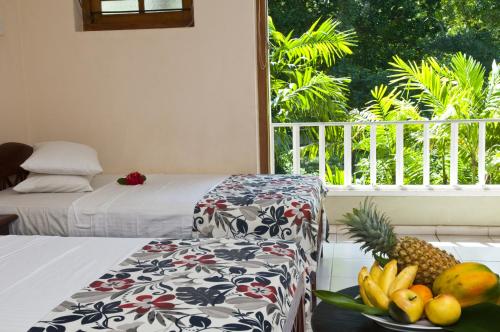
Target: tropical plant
432, 90
301, 91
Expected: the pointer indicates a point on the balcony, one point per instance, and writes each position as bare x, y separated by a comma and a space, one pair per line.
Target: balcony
421, 200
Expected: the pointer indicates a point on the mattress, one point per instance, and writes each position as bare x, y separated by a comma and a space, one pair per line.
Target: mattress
40, 272
163, 206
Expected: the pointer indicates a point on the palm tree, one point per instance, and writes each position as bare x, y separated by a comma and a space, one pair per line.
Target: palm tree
301, 89
431, 90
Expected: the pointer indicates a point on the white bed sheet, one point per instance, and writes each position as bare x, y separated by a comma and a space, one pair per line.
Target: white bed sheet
162, 207
43, 213
40, 272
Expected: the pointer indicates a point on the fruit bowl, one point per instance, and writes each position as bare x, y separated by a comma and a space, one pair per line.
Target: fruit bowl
391, 324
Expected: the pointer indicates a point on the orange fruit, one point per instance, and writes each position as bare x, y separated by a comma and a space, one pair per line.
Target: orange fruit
423, 291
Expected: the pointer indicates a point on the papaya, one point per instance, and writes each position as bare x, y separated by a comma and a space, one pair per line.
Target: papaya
470, 283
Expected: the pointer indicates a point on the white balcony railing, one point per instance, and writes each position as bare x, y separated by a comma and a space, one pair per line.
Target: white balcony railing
426, 185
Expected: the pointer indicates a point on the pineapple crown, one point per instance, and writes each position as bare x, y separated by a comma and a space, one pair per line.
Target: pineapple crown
372, 228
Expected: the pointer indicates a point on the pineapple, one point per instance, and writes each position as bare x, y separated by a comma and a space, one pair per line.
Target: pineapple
373, 229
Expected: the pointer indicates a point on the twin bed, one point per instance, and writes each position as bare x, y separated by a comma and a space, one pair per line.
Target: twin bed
163, 207
235, 214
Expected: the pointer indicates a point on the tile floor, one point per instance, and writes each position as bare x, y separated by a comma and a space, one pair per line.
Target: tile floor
342, 258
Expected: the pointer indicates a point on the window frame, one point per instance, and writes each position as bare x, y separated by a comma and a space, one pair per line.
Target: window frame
94, 20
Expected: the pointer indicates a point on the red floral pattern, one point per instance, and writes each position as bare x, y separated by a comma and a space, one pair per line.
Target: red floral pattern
299, 213
189, 285
144, 303
193, 260
278, 250
258, 290
271, 206
160, 247
112, 284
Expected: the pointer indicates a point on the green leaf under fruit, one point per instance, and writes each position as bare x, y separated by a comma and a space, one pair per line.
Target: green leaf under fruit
483, 317
346, 302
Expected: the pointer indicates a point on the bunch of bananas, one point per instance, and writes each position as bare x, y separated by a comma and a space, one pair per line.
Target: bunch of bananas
377, 285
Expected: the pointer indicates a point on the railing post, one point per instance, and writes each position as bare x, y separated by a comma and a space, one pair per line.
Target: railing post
426, 158
373, 154
399, 154
481, 154
296, 149
322, 155
454, 154
347, 155
271, 149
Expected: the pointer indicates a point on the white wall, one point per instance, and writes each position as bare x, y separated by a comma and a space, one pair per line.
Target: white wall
162, 100
429, 210
13, 118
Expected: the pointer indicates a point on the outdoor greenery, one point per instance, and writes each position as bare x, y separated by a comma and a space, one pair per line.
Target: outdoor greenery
386, 61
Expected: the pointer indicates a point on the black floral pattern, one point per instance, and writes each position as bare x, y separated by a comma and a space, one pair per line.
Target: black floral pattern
270, 206
188, 285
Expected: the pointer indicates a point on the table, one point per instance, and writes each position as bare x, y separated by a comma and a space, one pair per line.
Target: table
5, 220
329, 318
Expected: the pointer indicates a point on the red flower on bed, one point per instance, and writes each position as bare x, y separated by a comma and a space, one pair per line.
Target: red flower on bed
279, 251
160, 247
258, 290
193, 260
144, 303
300, 212
132, 179
111, 284
211, 205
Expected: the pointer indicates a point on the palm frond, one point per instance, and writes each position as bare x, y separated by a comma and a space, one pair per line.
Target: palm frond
308, 89
322, 43
492, 99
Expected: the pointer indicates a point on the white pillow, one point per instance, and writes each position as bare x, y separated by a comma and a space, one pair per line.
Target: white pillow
45, 183
63, 158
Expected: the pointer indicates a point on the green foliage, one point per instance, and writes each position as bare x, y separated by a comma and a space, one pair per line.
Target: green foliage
436, 91
301, 90
409, 63
411, 29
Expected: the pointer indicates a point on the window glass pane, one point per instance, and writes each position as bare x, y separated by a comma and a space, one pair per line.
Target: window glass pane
162, 4
120, 5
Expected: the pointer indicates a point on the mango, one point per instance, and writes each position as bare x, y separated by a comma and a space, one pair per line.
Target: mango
470, 283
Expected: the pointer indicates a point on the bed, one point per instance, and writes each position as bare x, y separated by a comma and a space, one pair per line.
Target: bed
183, 206
162, 207
149, 284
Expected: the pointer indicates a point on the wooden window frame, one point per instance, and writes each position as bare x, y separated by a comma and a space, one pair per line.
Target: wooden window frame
94, 20
263, 84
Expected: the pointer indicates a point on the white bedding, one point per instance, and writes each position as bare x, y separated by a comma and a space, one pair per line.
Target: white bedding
43, 213
44, 271
162, 207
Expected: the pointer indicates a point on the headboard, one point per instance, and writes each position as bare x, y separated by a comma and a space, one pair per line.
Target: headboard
12, 155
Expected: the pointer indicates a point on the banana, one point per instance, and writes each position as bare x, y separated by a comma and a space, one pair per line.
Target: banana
361, 277
404, 280
375, 294
388, 276
376, 272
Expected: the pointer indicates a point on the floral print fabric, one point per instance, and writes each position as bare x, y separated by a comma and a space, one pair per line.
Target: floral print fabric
271, 206
188, 285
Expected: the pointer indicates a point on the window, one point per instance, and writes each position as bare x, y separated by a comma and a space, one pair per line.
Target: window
136, 14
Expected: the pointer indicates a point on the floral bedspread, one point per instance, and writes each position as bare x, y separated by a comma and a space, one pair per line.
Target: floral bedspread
271, 206
189, 285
